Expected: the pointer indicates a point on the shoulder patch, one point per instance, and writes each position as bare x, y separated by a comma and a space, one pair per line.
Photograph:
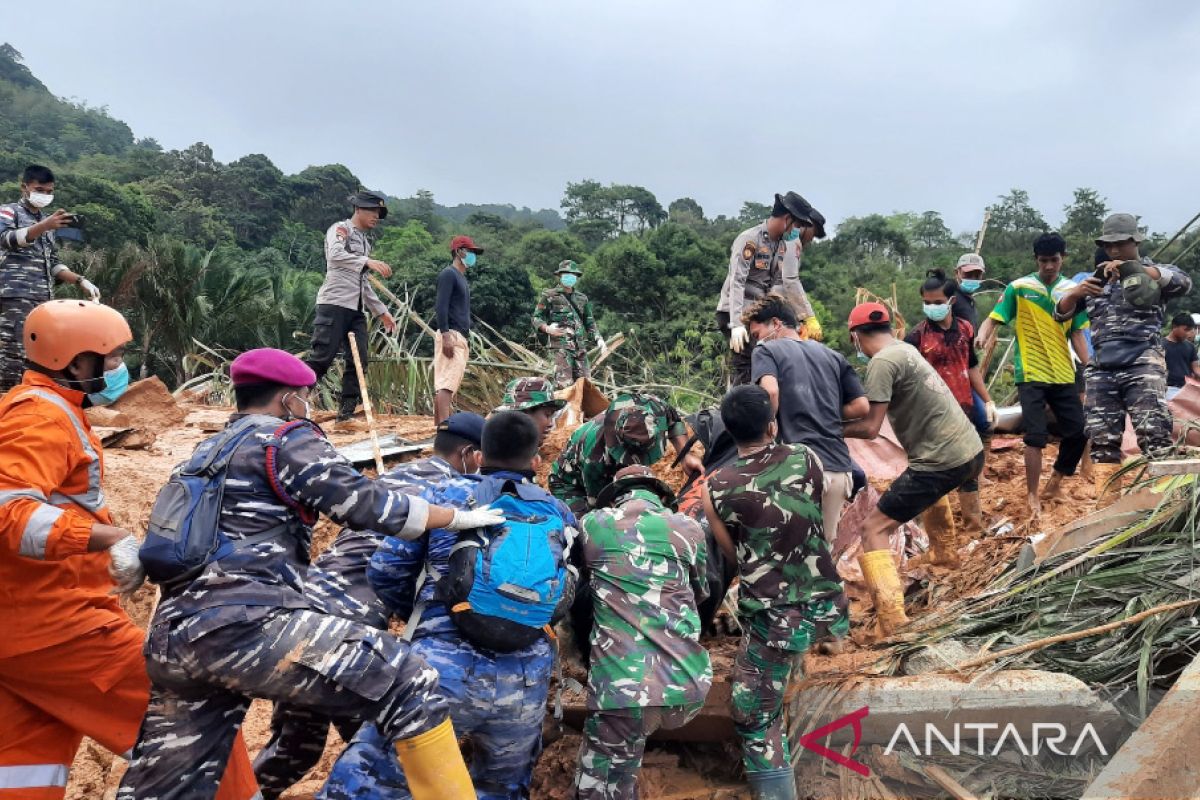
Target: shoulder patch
748, 251
342, 232
7, 212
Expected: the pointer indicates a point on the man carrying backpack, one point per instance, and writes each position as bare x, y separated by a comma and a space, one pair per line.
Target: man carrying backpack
337, 584
71, 660
236, 624
493, 665
648, 669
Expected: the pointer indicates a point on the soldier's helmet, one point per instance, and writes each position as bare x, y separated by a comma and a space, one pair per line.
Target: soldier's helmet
58, 330
524, 394
635, 476
568, 266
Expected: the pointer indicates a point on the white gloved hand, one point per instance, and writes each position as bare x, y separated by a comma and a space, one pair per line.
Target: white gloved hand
738, 338
554, 329
603, 347
467, 518
989, 409
89, 288
125, 567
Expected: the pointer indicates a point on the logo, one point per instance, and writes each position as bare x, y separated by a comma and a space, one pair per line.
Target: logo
854, 719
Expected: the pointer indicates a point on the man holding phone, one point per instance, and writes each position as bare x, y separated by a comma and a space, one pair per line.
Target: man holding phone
29, 265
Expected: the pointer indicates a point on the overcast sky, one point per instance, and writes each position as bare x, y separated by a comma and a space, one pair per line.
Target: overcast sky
861, 107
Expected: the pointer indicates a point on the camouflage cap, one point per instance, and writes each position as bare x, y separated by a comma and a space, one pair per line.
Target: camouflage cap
568, 266
523, 394
633, 477
1120, 228
636, 422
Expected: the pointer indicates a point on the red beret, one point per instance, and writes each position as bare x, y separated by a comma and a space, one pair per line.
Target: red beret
268, 365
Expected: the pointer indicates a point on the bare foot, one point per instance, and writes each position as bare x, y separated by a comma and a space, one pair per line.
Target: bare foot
1035, 507
1053, 487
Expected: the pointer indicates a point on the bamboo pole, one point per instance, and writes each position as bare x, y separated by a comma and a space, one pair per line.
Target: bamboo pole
366, 397
987, 216
1171, 241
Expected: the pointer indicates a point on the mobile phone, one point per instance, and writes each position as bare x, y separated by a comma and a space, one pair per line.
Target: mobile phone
75, 220
1099, 273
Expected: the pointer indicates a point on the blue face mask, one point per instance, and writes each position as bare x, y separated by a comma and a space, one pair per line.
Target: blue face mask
936, 311
970, 285
792, 235
569, 280
116, 381
862, 357
469, 259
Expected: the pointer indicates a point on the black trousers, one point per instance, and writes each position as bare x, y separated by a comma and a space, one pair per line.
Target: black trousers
1063, 401
330, 326
739, 363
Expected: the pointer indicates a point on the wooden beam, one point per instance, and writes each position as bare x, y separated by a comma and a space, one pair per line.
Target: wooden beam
1183, 466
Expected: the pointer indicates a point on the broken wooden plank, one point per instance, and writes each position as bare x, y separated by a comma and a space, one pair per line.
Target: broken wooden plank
943, 779
1181, 466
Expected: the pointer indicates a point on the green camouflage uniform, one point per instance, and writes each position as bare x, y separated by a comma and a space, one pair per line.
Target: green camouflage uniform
570, 351
790, 592
526, 394
648, 669
633, 430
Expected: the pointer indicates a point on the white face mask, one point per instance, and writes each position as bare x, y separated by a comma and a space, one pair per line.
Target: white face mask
307, 408
40, 199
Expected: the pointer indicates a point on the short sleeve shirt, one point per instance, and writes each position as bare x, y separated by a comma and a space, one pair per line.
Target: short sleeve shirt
1043, 351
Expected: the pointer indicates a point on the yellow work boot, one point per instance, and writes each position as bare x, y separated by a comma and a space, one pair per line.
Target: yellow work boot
1108, 488
434, 766
972, 513
943, 537
883, 581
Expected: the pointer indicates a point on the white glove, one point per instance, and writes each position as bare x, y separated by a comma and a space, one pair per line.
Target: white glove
125, 567
89, 289
989, 409
738, 338
603, 347
554, 329
467, 518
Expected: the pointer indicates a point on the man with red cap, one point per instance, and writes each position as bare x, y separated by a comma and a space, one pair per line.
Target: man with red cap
450, 349
944, 452
244, 627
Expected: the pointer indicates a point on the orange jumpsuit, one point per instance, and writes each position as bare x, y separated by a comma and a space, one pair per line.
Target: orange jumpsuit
71, 659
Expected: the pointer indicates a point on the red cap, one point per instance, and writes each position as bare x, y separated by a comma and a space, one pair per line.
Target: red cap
268, 365
459, 242
869, 314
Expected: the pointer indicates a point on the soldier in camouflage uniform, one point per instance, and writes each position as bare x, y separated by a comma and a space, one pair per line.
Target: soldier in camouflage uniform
765, 512
1127, 375
634, 430
564, 314
497, 699
337, 584
245, 628
648, 669
29, 265
535, 397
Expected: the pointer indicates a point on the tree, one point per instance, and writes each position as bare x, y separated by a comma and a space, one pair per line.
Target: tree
1085, 214
540, 252
929, 231
320, 195
1014, 214
686, 211
753, 213
872, 236
589, 211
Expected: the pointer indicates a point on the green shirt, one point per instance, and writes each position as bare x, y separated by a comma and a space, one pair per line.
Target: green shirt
1043, 351
931, 427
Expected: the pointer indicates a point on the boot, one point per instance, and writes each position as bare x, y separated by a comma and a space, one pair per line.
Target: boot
772, 784
883, 581
943, 538
434, 765
972, 513
346, 409
1107, 489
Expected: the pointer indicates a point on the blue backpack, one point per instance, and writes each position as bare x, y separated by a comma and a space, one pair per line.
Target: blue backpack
184, 535
504, 583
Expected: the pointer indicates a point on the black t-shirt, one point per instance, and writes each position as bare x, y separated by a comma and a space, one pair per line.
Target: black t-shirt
814, 383
453, 301
1180, 357
963, 307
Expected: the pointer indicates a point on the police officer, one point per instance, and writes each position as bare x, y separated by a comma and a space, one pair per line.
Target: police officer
1128, 373
29, 265
564, 314
346, 293
245, 628
535, 397
759, 262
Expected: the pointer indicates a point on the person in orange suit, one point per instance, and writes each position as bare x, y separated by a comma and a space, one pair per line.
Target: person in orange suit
71, 662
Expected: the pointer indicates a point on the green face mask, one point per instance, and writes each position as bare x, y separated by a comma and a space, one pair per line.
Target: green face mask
568, 280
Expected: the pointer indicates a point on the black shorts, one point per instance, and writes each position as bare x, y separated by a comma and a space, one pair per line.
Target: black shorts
916, 490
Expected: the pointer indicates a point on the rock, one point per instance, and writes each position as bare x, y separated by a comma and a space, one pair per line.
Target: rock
149, 406
937, 657
105, 417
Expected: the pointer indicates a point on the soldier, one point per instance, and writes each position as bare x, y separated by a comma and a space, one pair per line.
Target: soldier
648, 669
534, 396
564, 314
765, 513
1127, 309
244, 627
29, 264
346, 293
759, 262
634, 430
337, 584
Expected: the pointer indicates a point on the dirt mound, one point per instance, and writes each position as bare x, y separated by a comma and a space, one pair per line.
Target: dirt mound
149, 405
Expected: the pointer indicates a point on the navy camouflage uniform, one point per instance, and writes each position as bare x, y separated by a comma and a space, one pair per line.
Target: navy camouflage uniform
337, 584
27, 272
246, 628
1128, 374
497, 699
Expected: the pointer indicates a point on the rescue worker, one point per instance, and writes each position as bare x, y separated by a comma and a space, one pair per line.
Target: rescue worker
337, 584
648, 668
71, 662
564, 314
1128, 374
757, 267
244, 627
346, 293
968, 275
453, 320
535, 397
29, 265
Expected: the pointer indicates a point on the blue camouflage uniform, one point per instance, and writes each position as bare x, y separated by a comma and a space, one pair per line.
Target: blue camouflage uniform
245, 627
497, 699
27, 272
337, 584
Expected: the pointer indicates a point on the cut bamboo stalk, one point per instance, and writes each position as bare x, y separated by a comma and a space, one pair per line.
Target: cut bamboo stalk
366, 397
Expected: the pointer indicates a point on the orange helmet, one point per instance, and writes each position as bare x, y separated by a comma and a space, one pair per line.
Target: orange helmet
59, 330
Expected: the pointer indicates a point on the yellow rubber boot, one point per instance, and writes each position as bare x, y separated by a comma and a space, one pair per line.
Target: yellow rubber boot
883, 581
943, 537
972, 513
1107, 489
434, 766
